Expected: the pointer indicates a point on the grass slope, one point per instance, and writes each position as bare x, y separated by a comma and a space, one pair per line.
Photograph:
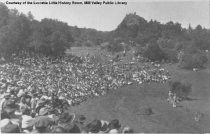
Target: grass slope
128, 103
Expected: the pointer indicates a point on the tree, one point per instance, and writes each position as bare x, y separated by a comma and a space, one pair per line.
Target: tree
14, 33
50, 37
193, 58
172, 29
170, 55
181, 89
8, 40
4, 14
30, 16
153, 52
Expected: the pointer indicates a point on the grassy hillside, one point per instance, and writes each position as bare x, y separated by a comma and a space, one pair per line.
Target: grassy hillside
128, 105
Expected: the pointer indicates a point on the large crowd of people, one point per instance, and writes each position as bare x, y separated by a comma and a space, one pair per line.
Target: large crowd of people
37, 91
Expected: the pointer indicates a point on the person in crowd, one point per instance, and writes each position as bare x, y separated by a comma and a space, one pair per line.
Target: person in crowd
170, 96
48, 87
104, 126
58, 129
44, 111
10, 109
4, 115
20, 93
42, 124
73, 128
33, 103
4, 101
114, 126
67, 121
94, 126
24, 103
127, 129
40, 104
10, 128
27, 121
81, 119
174, 100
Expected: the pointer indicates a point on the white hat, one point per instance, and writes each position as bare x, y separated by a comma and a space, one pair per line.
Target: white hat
27, 121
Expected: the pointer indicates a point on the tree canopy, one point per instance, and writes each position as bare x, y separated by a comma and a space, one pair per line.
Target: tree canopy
21, 32
52, 37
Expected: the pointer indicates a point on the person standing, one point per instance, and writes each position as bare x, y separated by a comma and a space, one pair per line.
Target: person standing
174, 100
4, 101
124, 53
33, 103
170, 96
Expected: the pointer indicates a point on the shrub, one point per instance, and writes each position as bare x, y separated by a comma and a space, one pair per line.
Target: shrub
170, 54
153, 52
182, 90
114, 48
193, 60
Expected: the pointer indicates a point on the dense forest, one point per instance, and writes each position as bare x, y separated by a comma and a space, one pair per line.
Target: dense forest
152, 39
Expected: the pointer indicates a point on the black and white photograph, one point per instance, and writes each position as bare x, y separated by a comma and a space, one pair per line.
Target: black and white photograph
105, 66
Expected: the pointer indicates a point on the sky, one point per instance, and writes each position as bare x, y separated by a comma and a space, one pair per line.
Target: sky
108, 17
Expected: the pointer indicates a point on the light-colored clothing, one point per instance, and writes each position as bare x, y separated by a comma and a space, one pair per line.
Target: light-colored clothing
44, 97
26, 121
2, 103
33, 104
174, 101
20, 93
16, 121
170, 97
26, 131
4, 122
23, 106
51, 116
113, 131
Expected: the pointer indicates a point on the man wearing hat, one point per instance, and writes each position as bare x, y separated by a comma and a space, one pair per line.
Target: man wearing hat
66, 120
10, 128
27, 124
27, 121
24, 103
33, 102
80, 122
94, 126
40, 104
43, 111
4, 101
114, 126
10, 109
127, 129
66, 117
104, 126
43, 124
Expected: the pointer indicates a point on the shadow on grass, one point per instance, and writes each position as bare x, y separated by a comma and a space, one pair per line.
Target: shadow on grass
190, 99
179, 106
